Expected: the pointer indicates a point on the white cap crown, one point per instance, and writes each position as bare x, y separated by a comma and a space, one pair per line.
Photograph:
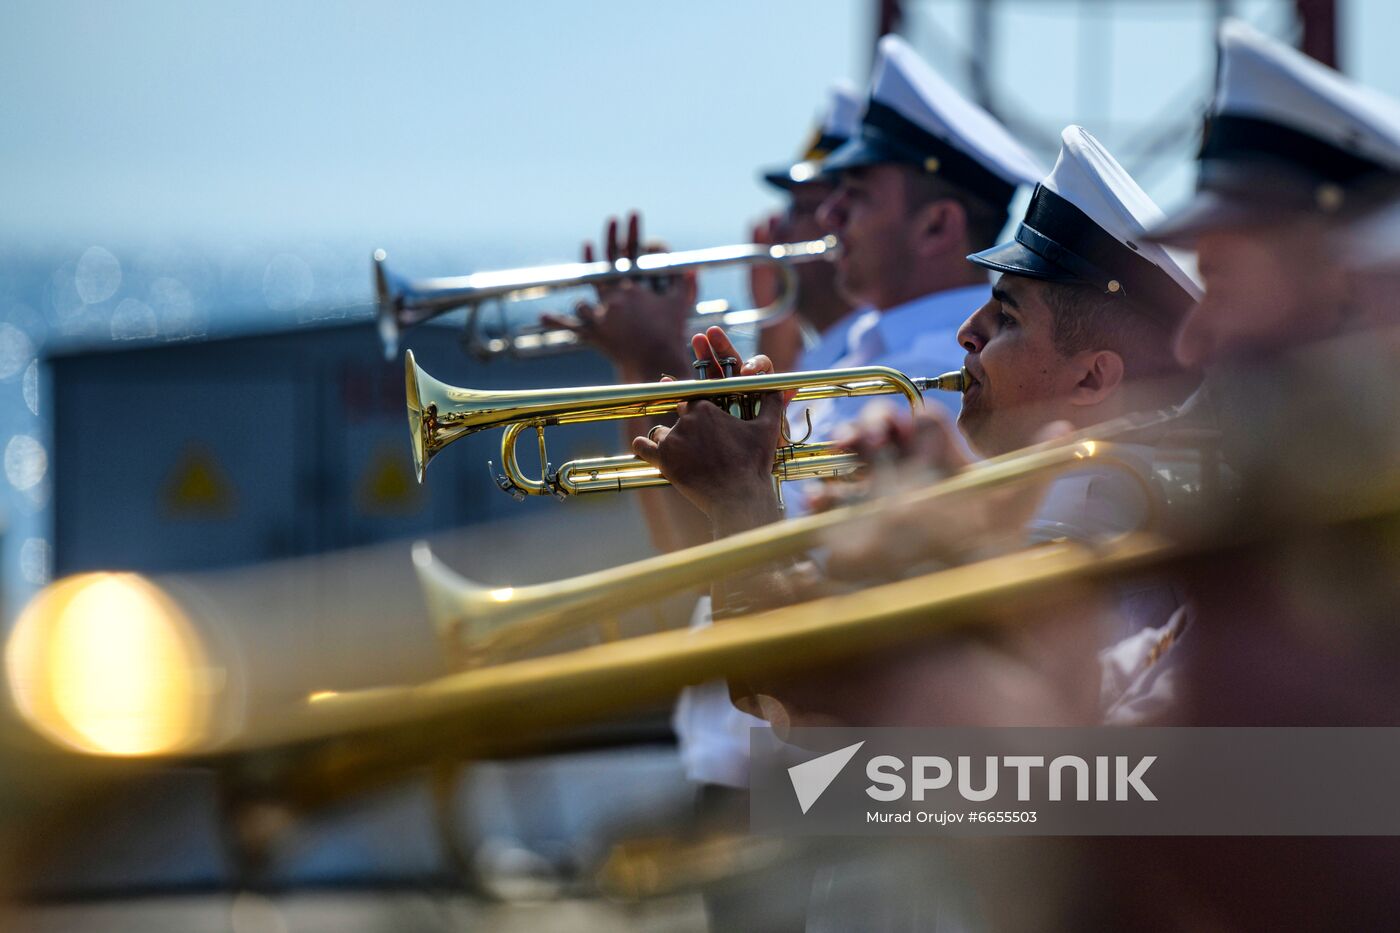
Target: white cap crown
1265, 79
1090, 178
905, 83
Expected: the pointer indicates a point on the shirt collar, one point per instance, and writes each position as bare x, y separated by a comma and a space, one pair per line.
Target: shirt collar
935, 311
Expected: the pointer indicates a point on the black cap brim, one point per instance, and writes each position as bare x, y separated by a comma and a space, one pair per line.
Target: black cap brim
1212, 210
863, 150
1017, 259
809, 171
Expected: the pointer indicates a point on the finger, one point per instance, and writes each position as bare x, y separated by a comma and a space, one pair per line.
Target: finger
720, 342
770, 410
936, 442
634, 235
558, 322
587, 313
645, 448
757, 365
700, 344
611, 240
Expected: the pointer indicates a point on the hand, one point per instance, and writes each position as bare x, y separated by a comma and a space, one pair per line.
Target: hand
898, 452
946, 530
722, 464
637, 323
765, 282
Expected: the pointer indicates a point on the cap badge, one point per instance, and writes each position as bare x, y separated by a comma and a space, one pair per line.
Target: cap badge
1329, 197
932, 165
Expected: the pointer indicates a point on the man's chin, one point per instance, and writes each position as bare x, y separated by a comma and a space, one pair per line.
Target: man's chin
973, 425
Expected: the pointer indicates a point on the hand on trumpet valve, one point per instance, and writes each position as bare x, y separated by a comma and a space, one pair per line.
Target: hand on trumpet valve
721, 463
637, 323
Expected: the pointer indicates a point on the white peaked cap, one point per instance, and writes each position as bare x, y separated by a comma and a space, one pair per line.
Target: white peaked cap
841, 119
1286, 134
915, 117
1086, 223
1266, 79
838, 122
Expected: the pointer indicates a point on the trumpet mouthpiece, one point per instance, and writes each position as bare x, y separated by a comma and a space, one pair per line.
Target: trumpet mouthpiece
955, 381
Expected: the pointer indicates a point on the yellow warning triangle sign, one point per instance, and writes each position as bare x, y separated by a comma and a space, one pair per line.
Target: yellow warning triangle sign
198, 487
387, 486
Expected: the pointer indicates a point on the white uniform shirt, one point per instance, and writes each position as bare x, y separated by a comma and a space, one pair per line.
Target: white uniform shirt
919, 338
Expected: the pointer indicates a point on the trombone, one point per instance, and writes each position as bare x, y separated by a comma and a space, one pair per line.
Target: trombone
439, 414
480, 624
404, 303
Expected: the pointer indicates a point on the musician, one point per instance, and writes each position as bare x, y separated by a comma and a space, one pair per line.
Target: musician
1078, 330
810, 337
1292, 149
1297, 630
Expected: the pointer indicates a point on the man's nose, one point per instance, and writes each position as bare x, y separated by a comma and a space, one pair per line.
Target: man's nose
969, 337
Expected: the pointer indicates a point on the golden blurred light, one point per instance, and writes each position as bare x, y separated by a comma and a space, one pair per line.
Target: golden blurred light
107, 663
319, 695
503, 595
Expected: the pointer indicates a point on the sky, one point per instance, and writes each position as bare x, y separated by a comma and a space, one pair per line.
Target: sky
515, 124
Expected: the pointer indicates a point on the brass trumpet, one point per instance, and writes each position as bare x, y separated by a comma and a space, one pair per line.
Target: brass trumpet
439, 414
404, 303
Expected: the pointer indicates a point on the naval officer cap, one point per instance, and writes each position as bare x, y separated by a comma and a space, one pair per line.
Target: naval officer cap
838, 124
914, 117
1085, 224
1286, 134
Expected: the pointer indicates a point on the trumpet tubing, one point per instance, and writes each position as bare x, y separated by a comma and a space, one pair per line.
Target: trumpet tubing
404, 303
439, 414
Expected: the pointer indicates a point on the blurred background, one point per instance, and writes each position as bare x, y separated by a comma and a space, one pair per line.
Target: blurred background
190, 380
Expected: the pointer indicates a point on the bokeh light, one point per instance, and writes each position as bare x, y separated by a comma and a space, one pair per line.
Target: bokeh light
107, 664
26, 462
98, 275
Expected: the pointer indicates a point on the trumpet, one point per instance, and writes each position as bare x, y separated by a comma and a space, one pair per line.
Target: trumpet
439, 414
404, 303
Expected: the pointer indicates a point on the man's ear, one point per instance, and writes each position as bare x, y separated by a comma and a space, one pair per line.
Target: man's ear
1100, 375
940, 227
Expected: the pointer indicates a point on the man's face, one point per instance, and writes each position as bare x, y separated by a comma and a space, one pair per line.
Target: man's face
1266, 288
869, 212
815, 280
800, 221
1021, 381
